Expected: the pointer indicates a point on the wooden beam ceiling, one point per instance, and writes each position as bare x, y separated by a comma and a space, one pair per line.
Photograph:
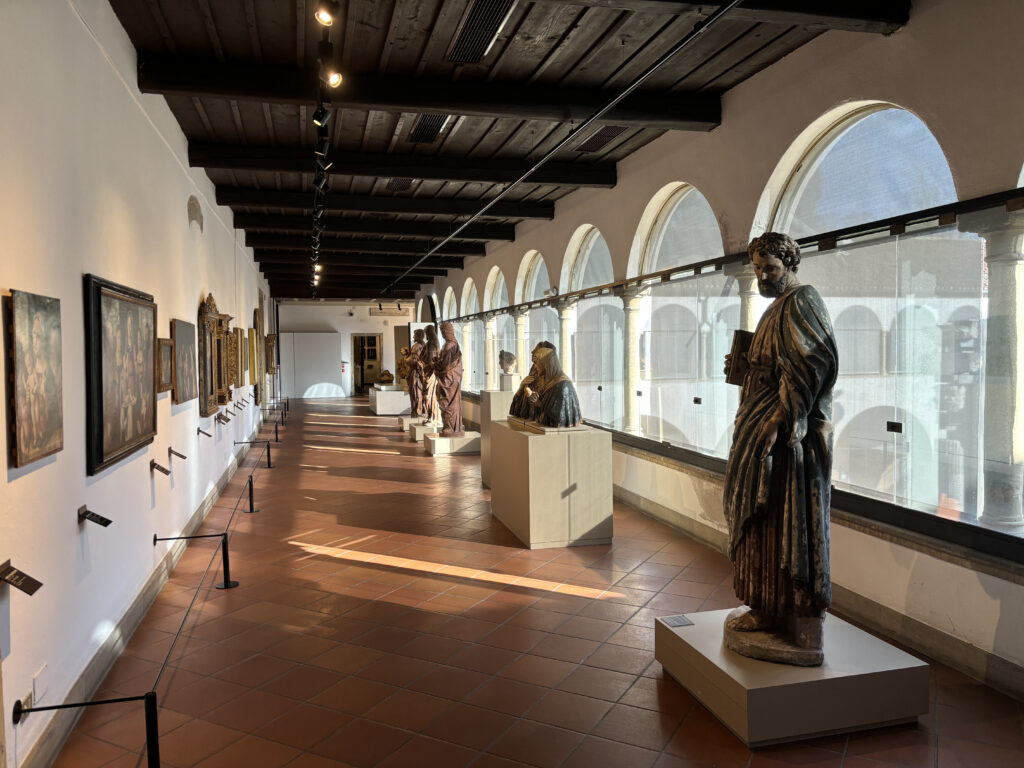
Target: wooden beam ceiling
298, 291
177, 75
383, 165
295, 200
331, 244
360, 226
878, 16
383, 261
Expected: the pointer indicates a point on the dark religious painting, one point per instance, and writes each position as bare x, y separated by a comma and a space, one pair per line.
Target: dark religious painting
120, 368
183, 335
36, 406
207, 327
164, 365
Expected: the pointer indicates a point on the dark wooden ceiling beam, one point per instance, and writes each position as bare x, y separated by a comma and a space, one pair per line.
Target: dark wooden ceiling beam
286, 199
298, 291
381, 165
331, 244
176, 75
359, 226
379, 283
273, 270
878, 16
400, 262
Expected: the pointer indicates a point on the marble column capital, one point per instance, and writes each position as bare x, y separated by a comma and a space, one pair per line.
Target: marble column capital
1003, 232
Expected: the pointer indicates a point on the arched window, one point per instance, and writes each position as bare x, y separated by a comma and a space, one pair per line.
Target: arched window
470, 299
451, 308
593, 263
542, 322
685, 232
496, 294
879, 162
876, 162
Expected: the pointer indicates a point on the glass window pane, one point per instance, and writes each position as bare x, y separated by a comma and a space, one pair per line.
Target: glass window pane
687, 234
593, 266
598, 359
537, 280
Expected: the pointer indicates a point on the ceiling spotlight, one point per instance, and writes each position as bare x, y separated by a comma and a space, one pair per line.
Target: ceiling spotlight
323, 163
323, 145
321, 183
321, 116
317, 267
380, 306
399, 306
328, 70
318, 212
326, 12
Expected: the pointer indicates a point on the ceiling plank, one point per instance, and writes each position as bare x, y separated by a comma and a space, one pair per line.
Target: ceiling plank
288, 199
360, 226
297, 291
381, 165
877, 16
331, 244
176, 75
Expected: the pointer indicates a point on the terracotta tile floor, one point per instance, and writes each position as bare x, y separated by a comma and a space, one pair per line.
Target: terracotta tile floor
377, 625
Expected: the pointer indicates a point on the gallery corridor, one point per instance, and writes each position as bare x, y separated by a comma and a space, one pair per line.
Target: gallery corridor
383, 618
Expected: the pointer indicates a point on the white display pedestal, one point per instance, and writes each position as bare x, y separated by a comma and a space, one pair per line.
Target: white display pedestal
437, 445
388, 400
494, 406
509, 382
864, 682
554, 488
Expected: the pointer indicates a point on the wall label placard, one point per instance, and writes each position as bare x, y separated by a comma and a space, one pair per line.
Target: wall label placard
19, 579
93, 517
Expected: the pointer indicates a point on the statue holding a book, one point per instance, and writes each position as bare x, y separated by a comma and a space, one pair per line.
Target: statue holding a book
778, 477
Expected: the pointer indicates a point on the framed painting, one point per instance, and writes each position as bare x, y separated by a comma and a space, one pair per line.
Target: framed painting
120, 372
164, 365
271, 354
36, 411
239, 361
252, 356
183, 336
222, 343
207, 331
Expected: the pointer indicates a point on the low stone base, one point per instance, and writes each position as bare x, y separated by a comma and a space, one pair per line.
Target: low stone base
782, 645
405, 422
389, 402
509, 382
863, 683
442, 446
417, 431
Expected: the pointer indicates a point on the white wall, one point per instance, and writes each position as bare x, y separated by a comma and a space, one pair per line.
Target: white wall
96, 179
311, 365
320, 317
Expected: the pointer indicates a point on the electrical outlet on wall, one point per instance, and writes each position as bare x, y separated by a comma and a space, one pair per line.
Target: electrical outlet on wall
40, 684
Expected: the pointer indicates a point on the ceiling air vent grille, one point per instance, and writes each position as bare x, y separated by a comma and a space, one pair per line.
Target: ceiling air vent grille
601, 138
478, 29
399, 185
427, 128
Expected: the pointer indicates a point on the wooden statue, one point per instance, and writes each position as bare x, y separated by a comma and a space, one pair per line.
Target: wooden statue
448, 370
428, 356
778, 477
521, 407
415, 378
554, 401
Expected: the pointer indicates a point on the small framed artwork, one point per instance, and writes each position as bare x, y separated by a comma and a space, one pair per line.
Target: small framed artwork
120, 372
239, 361
37, 405
207, 326
164, 365
183, 336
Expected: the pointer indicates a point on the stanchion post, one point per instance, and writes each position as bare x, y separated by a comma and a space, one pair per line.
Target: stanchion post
226, 562
269, 464
252, 507
152, 731
276, 438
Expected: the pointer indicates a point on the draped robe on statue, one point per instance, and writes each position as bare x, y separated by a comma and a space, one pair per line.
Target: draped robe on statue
558, 405
778, 509
448, 369
416, 379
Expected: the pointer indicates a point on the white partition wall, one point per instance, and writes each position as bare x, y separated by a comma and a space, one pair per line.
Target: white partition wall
311, 365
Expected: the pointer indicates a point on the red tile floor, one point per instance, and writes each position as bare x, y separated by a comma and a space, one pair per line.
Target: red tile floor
384, 619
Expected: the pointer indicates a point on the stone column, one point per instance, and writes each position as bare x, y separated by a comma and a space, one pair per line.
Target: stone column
1003, 446
750, 304
566, 328
632, 301
522, 317
467, 353
490, 353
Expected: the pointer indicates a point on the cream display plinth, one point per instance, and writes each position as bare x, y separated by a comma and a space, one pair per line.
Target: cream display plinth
509, 382
552, 488
494, 406
405, 422
437, 445
388, 400
418, 431
864, 682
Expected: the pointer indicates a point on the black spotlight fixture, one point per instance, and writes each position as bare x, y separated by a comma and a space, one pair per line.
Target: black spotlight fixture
328, 71
327, 11
323, 163
380, 306
323, 145
321, 183
321, 116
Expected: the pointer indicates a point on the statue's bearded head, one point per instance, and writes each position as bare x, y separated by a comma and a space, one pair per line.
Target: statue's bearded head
776, 258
